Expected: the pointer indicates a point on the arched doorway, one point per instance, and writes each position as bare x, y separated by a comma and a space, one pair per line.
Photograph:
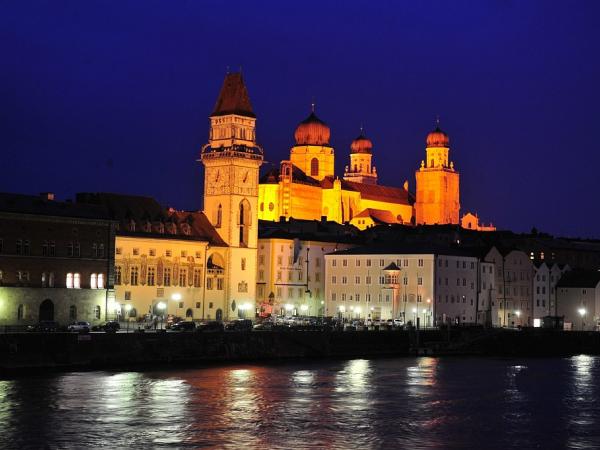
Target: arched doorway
219, 314
189, 313
47, 310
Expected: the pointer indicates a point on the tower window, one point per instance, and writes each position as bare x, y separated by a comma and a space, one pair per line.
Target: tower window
314, 167
219, 217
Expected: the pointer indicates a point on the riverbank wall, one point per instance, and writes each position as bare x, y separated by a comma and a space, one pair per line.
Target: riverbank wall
25, 352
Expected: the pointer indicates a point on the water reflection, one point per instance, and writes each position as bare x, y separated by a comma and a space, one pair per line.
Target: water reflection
399, 403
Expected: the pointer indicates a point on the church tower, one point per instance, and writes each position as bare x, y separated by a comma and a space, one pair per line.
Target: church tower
312, 153
231, 164
437, 183
361, 169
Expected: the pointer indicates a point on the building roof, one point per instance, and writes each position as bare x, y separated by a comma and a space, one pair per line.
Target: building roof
309, 230
298, 176
392, 266
147, 215
409, 249
376, 192
233, 98
42, 205
579, 279
377, 215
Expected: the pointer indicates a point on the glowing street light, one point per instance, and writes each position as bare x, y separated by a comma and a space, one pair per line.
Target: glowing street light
161, 306
582, 312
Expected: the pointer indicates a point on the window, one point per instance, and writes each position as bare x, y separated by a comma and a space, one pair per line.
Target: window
52, 248
118, 275
152, 252
278, 292
136, 251
357, 297
198, 254
183, 277
166, 276
343, 297
69, 249
368, 279
314, 167
345, 262
420, 281
344, 280
368, 263
333, 296
242, 286
381, 263
101, 250
333, 263
168, 253
69, 281
197, 277
279, 260
209, 284
219, 284
357, 280
279, 275
93, 281
420, 263
45, 248
77, 250
100, 281
95, 250
118, 250
183, 254
77, 281
334, 280
97, 312
134, 274
405, 281
357, 263
151, 277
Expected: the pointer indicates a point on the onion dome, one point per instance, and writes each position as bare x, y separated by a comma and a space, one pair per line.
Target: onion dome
361, 144
437, 138
312, 131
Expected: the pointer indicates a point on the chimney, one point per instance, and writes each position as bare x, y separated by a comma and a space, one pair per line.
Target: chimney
47, 195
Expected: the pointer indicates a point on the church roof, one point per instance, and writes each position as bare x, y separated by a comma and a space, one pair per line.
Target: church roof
233, 98
39, 205
377, 192
298, 176
377, 215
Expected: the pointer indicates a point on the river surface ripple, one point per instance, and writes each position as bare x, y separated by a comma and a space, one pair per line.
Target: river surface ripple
393, 403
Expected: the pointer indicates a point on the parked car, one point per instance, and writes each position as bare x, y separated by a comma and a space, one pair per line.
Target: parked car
239, 325
112, 326
398, 322
183, 326
264, 326
45, 326
210, 326
79, 327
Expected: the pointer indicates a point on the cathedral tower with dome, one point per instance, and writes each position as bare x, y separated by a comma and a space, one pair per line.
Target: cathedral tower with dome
438, 193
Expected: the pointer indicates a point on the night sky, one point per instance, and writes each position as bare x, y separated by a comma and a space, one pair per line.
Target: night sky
114, 96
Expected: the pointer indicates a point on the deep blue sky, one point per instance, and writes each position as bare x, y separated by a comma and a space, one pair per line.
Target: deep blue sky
114, 95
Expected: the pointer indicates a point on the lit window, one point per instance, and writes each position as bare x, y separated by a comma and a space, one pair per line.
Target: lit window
69, 281
93, 281
100, 281
77, 281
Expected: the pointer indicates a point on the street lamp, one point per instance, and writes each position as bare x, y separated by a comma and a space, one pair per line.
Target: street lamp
128, 309
161, 306
582, 312
518, 313
322, 308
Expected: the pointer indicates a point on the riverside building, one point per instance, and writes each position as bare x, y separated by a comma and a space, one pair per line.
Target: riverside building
56, 260
433, 285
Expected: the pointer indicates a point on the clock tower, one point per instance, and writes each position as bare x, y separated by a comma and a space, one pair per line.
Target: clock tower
231, 161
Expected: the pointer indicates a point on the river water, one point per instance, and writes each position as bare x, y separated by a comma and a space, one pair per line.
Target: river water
392, 403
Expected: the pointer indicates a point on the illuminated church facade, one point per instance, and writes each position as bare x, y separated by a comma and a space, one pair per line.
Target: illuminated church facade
306, 187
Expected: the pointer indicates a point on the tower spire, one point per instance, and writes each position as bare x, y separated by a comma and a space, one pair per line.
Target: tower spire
312, 104
437, 121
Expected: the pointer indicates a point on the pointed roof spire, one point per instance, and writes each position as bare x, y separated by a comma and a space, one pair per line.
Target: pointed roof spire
312, 105
437, 122
233, 98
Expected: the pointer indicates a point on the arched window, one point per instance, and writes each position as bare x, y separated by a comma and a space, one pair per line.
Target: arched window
76, 281
219, 216
93, 281
219, 315
69, 281
314, 167
72, 312
189, 313
97, 312
244, 222
132, 312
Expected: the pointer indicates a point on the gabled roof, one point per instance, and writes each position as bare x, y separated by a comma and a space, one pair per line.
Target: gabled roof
579, 279
391, 266
233, 98
377, 215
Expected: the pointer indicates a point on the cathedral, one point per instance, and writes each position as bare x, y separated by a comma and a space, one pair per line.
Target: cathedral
306, 187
